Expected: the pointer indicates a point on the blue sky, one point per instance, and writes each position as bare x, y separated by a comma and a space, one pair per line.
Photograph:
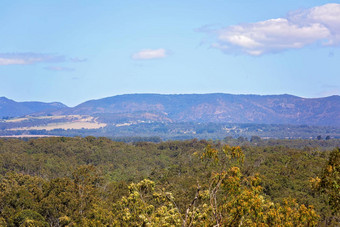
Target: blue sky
73, 51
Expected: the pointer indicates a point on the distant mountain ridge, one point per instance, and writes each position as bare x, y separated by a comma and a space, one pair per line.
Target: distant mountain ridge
11, 108
216, 107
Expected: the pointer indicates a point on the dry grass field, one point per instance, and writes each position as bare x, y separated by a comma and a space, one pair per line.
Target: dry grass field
70, 122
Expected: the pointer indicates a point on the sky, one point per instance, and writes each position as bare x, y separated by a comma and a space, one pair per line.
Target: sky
73, 51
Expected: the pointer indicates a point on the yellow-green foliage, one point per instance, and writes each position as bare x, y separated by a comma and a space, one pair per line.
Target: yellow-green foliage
235, 200
230, 199
329, 184
96, 182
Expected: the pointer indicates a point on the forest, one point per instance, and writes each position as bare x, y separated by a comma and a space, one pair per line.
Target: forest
95, 181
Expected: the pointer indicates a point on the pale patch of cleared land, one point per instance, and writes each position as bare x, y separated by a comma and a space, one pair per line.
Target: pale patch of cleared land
65, 126
71, 122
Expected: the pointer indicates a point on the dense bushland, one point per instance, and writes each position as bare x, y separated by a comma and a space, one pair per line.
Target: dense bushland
95, 181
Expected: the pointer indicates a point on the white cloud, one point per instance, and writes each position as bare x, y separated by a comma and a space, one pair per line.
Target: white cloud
28, 58
15, 61
33, 58
320, 25
150, 54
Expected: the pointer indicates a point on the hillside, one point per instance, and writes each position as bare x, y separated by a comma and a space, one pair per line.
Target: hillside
217, 108
10, 108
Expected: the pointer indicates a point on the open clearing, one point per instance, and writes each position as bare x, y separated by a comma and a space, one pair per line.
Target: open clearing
65, 126
71, 122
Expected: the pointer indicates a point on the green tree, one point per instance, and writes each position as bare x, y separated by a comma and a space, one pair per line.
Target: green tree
329, 183
28, 218
19, 192
236, 200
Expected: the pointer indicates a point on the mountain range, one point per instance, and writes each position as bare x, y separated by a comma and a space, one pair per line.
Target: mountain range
11, 108
217, 107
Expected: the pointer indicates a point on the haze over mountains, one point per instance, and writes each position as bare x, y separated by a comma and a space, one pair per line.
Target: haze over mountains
218, 108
